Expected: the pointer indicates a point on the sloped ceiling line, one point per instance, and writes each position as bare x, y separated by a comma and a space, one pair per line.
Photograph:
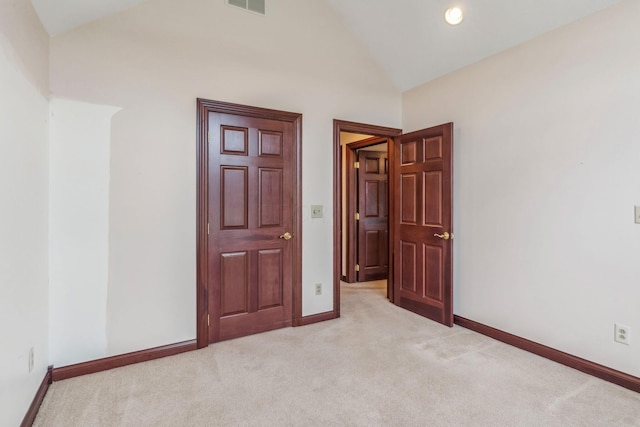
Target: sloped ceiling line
408, 38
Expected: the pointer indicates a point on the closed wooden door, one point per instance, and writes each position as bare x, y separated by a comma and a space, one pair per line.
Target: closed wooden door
251, 216
422, 225
373, 235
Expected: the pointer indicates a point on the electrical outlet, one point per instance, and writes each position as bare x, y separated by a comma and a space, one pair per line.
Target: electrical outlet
31, 359
622, 334
318, 288
316, 211
637, 214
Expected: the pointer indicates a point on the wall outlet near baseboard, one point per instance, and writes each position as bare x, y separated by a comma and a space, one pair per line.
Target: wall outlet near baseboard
31, 359
318, 288
622, 334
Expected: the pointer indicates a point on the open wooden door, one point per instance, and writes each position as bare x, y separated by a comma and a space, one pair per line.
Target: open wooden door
422, 222
373, 235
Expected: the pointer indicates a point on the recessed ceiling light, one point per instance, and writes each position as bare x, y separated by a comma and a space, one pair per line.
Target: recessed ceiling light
453, 16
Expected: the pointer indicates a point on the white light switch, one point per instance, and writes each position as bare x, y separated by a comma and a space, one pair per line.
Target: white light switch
637, 214
316, 211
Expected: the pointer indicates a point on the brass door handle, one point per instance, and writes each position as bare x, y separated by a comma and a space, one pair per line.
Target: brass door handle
445, 236
287, 236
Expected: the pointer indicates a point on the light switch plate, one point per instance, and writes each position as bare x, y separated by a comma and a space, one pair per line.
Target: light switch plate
637, 211
316, 211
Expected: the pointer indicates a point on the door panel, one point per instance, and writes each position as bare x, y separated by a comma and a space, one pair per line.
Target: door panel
234, 140
234, 197
432, 199
270, 197
423, 261
270, 278
270, 144
234, 283
250, 207
408, 199
407, 268
372, 198
433, 258
373, 224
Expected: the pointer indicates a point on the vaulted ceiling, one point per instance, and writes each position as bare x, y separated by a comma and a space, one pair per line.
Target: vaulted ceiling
408, 38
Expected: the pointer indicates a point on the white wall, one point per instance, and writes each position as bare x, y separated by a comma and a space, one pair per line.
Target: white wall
153, 61
547, 173
79, 170
23, 211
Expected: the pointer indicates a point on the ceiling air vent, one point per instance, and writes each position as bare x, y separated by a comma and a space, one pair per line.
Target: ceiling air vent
256, 6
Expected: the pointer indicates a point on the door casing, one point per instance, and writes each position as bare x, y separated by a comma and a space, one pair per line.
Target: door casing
338, 226
204, 107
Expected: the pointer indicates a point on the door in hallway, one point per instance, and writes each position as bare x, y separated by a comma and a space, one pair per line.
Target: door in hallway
373, 236
422, 222
251, 213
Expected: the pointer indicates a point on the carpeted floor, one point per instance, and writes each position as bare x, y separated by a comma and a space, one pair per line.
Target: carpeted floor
378, 365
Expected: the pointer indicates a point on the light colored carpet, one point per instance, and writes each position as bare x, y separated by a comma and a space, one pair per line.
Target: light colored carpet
378, 365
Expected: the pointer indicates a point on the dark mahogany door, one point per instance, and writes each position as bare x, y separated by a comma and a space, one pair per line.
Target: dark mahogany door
422, 224
251, 216
373, 235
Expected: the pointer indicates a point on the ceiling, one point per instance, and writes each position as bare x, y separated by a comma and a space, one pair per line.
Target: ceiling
408, 38
59, 16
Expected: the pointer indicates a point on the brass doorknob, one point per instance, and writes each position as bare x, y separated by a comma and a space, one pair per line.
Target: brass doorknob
445, 236
287, 236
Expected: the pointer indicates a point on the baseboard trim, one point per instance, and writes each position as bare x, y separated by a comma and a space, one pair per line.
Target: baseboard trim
99, 365
600, 371
316, 318
30, 416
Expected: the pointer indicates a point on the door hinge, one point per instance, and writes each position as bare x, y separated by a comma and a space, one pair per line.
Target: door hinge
356, 165
209, 137
207, 228
357, 216
357, 267
208, 320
